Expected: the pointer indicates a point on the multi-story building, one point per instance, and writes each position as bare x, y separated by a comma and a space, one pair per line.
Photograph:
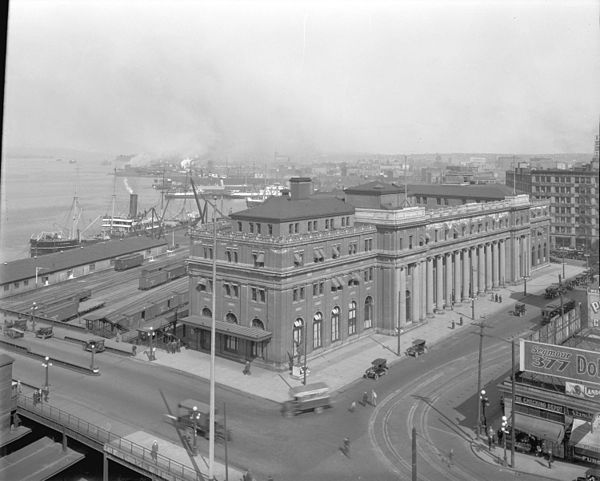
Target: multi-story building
305, 273
574, 200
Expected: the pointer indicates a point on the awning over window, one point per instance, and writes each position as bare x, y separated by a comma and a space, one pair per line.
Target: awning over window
335, 282
260, 257
298, 257
583, 439
335, 251
356, 277
243, 332
540, 428
201, 281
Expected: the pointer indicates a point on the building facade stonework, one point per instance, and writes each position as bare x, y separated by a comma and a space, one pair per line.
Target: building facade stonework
300, 275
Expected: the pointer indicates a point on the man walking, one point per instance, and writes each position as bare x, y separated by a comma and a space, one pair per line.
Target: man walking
246, 370
373, 397
154, 451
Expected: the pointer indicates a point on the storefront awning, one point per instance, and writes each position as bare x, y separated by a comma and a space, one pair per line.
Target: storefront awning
356, 277
201, 281
335, 282
583, 439
244, 332
540, 428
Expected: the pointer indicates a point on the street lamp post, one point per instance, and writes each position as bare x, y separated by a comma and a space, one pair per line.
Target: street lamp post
194, 427
150, 336
504, 429
484, 402
524, 286
46, 364
473, 308
305, 339
92, 363
33, 309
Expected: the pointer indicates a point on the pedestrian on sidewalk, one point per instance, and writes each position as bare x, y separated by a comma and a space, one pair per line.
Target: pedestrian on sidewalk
373, 397
499, 298
550, 459
346, 446
365, 398
246, 370
154, 451
46, 392
450, 457
178, 345
352, 406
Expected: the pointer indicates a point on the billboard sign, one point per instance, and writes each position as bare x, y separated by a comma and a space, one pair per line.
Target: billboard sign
560, 361
582, 391
593, 307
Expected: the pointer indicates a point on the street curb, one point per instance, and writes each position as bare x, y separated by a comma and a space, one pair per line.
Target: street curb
481, 454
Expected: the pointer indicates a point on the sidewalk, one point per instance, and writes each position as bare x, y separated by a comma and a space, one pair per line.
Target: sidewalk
345, 365
528, 463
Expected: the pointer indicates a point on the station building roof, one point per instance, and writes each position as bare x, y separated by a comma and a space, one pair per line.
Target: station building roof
285, 209
59, 261
469, 191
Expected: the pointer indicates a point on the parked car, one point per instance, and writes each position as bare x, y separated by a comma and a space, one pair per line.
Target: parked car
378, 368
44, 332
417, 348
519, 309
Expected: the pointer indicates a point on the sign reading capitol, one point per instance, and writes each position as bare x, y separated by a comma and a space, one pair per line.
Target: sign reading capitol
565, 362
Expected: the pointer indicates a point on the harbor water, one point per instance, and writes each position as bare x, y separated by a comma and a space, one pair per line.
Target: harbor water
36, 195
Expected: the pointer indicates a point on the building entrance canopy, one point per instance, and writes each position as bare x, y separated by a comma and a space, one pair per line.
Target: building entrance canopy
583, 439
229, 328
540, 428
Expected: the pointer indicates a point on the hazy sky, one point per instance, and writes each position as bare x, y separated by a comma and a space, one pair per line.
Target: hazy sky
195, 77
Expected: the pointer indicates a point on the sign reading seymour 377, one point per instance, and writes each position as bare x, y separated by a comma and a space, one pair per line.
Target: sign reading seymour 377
566, 362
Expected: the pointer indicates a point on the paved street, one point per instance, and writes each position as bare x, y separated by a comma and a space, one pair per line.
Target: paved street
439, 402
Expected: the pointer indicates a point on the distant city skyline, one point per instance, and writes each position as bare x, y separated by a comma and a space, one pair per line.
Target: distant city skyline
228, 78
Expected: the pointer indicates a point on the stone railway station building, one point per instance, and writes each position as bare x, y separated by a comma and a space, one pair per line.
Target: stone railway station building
305, 272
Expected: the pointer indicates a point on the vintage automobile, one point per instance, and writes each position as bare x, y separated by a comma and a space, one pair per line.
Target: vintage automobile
378, 368
312, 397
44, 332
14, 332
190, 408
418, 347
519, 309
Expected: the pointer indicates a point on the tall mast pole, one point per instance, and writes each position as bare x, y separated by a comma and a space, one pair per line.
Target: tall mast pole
211, 441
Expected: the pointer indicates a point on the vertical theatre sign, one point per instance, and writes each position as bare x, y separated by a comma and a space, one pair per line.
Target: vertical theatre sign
593, 307
560, 361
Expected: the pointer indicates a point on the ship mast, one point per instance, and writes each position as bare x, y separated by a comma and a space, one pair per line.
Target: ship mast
114, 200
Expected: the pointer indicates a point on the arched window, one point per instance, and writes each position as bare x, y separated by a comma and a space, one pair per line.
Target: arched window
230, 317
206, 312
335, 323
351, 318
258, 324
298, 327
368, 312
317, 330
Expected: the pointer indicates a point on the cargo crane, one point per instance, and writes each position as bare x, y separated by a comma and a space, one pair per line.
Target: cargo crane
203, 210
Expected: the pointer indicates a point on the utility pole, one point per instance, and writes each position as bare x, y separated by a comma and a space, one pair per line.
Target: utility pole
414, 454
512, 407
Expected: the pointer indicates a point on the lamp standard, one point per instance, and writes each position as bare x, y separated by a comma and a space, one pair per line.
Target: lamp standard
525, 285
484, 402
33, 309
46, 364
195, 415
504, 429
150, 336
305, 340
93, 346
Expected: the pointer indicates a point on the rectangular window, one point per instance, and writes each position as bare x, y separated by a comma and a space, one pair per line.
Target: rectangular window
235, 256
315, 225
228, 256
26, 282
6, 287
251, 225
295, 295
231, 343
410, 242
317, 334
335, 251
16, 284
439, 201
321, 288
270, 228
258, 228
368, 244
239, 227
262, 296
296, 228
352, 248
343, 222
326, 223
309, 225
291, 228
254, 293
235, 290
227, 289
315, 288
92, 267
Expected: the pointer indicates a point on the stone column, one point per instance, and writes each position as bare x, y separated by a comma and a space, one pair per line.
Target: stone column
466, 275
488, 266
495, 273
502, 261
402, 296
481, 269
429, 303
448, 303
516, 274
423, 292
395, 297
440, 284
474, 272
457, 284
416, 285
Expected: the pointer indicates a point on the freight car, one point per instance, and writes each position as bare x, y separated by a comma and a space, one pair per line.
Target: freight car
156, 276
127, 262
553, 309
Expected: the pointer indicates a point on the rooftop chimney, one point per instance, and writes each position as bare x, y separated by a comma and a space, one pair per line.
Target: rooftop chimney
133, 206
300, 188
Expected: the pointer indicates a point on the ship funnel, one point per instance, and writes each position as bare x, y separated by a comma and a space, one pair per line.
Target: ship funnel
133, 205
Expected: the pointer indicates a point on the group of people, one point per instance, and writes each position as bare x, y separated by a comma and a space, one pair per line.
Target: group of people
173, 346
496, 298
40, 395
366, 399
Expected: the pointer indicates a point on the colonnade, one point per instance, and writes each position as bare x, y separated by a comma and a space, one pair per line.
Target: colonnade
440, 280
